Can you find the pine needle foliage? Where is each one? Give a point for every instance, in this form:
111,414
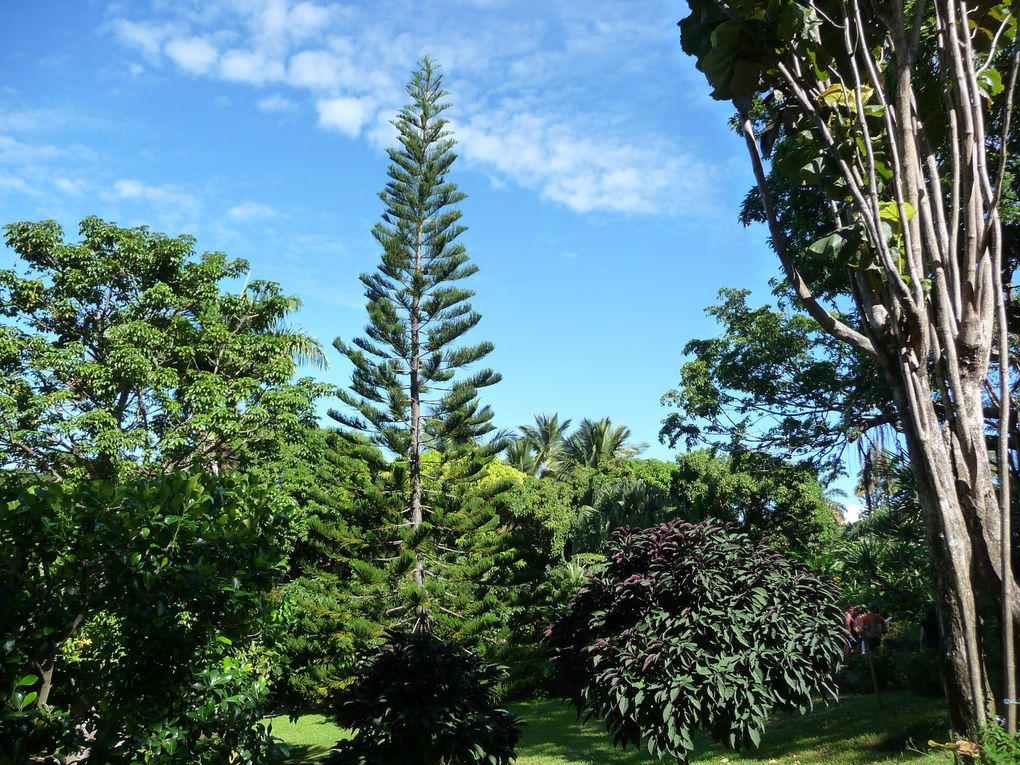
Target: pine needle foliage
411,392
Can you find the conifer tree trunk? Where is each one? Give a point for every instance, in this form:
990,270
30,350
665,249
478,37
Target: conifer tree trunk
414,461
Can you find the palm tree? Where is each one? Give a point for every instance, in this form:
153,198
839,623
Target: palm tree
546,441
621,503
596,442
519,454
266,306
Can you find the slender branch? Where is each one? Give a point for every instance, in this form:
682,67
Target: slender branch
827,321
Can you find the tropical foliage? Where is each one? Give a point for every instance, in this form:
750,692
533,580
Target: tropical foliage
423,701
117,597
183,546
692,626
122,354
889,206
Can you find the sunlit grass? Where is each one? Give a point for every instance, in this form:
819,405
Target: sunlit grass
854,732
310,737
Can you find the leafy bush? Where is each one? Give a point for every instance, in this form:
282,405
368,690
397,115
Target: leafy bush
692,626
423,701
220,721
114,595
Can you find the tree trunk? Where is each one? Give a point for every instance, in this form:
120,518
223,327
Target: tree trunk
954,485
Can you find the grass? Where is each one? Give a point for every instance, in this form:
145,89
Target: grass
310,737
853,732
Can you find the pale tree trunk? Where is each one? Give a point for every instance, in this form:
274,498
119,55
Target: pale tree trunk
416,504
416,510
932,318
953,566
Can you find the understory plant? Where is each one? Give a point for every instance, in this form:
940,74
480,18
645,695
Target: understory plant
424,701
694,626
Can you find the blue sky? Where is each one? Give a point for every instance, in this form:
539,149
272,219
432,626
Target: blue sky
602,180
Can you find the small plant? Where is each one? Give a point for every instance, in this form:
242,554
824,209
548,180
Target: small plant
423,701
998,747
694,626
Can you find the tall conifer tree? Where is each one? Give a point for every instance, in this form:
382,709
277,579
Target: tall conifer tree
409,390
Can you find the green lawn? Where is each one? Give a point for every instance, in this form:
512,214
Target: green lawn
310,737
853,732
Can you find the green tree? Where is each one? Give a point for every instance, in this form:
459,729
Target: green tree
762,495
119,604
545,440
595,443
772,381
405,390
621,503
895,121
884,558
320,625
122,353
520,455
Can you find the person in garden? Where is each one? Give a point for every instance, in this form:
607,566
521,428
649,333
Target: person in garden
850,621
871,626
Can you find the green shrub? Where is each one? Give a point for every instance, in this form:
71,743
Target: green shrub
423,701
998,747
693,626
124,592
220,720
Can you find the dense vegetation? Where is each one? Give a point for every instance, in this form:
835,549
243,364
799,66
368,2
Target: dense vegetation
185,548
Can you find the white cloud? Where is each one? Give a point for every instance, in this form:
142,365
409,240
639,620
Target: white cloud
346,115
69,186
308,19
145,37
252,67
585,173
15,152
192,54
250,211
162,196
551,101
10,182
315,69
276,103
28,120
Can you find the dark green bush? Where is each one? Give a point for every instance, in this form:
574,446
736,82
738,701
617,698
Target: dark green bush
694,626
220,720
423,701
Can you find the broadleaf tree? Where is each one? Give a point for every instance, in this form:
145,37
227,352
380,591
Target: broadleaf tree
410,390
123,353
894,119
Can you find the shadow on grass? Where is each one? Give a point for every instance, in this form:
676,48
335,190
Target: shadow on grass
855,730
553,732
